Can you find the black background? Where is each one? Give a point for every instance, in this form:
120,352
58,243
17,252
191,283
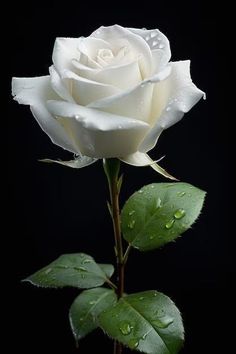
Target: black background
55,210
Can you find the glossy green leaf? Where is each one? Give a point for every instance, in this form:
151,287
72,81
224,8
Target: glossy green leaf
159,213
78,270
86,307
108,269
148,322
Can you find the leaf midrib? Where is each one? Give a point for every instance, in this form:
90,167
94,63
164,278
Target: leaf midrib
141,315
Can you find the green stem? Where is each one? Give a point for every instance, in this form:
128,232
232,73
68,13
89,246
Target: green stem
112,168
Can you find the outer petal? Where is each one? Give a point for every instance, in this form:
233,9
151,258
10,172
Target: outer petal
59,86
113,33
159,45
171,99
85,91
140,159
99,134
64,50
34,92
135,102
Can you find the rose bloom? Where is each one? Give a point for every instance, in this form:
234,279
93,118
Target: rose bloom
110,94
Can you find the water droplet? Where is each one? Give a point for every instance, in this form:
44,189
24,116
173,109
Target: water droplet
161,46
152,186
126,328
151,237
169,224
181,194
155,294
147,38
179,214
87,261
168,108
131,224
76,116
133,343
144,28
47,271
140,191
131,212
81,269
92,302
141,298
154,43
158,203
164,322
145,336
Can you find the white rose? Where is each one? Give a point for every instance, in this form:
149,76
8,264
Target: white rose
110,94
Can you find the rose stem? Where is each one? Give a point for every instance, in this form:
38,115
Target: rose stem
112,168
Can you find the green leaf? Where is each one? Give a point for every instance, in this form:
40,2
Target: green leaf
159,213
148,322
78,270
108,269
86,307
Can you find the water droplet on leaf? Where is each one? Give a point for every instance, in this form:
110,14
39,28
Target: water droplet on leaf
126,328
131,212
163,322
92,302
131,224
161,46
158,203
141,298
133,343
181,194
87,261
47,271
179,214
169,224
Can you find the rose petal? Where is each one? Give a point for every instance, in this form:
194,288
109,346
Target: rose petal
159,45
64,50
139,46
135,102
59,86
140,159
112,75
90,46
171,99
34,92
99,134
86,91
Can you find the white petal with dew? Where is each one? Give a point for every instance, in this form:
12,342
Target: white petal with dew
171,99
